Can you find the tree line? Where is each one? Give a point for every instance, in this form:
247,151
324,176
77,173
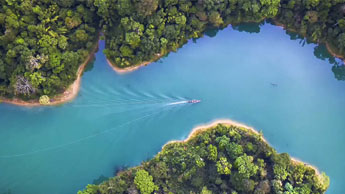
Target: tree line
42,42
221,159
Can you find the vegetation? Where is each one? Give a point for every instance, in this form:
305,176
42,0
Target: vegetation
319,20
221,159
44,100
42,43
138,31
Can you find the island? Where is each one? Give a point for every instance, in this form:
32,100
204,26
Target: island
44,45
223,157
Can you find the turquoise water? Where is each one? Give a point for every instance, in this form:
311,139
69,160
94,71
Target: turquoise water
121,120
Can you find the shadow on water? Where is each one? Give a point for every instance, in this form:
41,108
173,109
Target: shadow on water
90,64
338,68
321,52
243,27
118,169
100,180
249,27
212,32
339,72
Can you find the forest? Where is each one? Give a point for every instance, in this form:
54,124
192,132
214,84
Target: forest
43,42
221,159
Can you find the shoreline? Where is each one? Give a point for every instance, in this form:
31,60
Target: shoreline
204,127
69,94
134,67
328,47
159,55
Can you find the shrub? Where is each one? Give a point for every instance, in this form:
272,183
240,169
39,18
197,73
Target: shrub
44,100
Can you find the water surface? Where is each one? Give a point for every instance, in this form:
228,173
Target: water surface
290,90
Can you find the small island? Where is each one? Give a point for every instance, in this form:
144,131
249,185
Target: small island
224,157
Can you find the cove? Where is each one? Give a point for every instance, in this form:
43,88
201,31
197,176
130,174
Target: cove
263,79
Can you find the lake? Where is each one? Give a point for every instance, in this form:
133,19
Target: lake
258,75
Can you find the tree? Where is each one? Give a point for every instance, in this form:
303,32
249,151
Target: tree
147,7
144,182
133,39
234,150
90,189
23,86
223,166
312,3
341,41
223,142
212,153
205,191
44,100
245,166
126,51
36,79
215,18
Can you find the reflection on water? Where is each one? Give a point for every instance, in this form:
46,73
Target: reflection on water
211,32
320,51
339,71
90,65
100,179
249,27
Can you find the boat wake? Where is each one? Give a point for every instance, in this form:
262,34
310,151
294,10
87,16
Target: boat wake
179,102
185,102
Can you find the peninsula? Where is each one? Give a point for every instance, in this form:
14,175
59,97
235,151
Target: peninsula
223,157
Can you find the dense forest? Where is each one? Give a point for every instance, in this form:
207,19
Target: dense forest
43,42
221,159
149,29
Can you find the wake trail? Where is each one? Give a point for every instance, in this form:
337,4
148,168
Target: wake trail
79,140
179,102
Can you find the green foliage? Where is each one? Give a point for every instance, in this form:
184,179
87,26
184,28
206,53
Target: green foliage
179,168
90,189
144,182
234,150
223,166
213,153
245,166
34,38
205,191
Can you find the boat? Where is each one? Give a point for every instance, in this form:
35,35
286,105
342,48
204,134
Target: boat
194,101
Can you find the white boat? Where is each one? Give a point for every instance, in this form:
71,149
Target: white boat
194,101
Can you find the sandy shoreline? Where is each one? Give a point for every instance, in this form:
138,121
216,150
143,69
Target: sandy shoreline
134,67
200,128
69,94
127,69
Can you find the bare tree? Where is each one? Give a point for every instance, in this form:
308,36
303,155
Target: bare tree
36,62
33,63
132,190
23,86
